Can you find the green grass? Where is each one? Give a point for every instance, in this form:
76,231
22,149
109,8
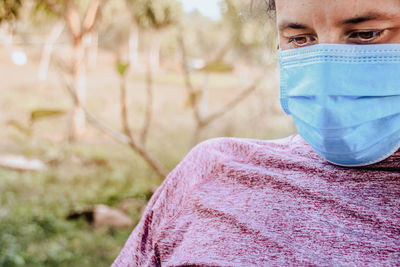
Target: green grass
34,205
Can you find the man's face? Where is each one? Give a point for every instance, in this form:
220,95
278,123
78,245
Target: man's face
307,22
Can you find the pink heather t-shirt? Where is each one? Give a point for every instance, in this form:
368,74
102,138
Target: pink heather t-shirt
243,202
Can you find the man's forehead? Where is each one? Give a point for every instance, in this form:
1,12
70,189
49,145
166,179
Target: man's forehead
335,11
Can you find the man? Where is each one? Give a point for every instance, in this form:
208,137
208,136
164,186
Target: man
327,197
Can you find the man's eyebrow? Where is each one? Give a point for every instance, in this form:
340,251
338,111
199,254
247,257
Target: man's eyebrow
350,21
291,25
362,18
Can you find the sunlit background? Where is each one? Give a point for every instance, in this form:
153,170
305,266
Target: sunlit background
99,102
208,8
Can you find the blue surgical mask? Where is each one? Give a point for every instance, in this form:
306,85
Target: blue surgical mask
344,99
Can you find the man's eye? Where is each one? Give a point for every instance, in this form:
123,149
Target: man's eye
364,37
302,40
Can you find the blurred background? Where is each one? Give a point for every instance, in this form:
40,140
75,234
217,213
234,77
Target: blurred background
100,99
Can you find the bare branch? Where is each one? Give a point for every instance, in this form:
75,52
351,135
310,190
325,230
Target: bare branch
196,135
91,16
73,19
128,140
188,83
139,148
224,50
111,132
154,163
149,105
239,98
106,129
54,34
124,109
201,121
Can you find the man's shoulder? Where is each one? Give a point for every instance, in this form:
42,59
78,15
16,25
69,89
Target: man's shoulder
243,149
241,157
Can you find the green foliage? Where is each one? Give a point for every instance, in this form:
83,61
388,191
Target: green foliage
49,8
9,9
217,66
247,22
45,11
21,127
251,35
193,98
156,14
122,68
203,36
252,30
45,113
35,115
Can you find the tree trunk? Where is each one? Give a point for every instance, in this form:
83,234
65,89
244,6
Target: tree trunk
155,50
149,106
6,35
92,45
203,102
55,32
133,47
79,87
